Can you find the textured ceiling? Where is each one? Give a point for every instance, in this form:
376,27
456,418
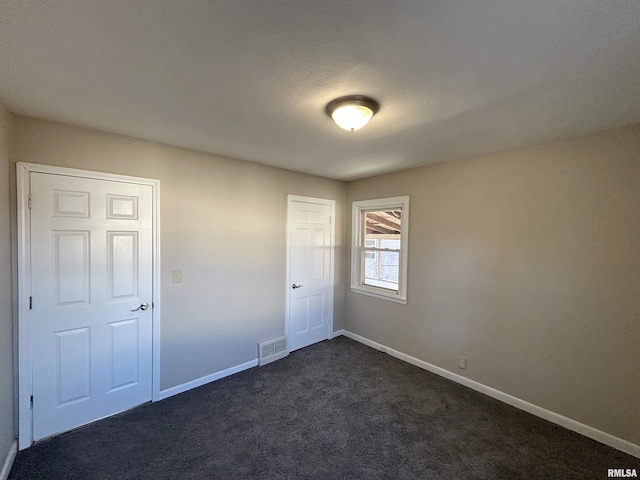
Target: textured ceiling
250,79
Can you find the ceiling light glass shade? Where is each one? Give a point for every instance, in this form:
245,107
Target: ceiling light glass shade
352,117
353,112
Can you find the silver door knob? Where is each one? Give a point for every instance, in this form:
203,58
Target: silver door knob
295,286
144,306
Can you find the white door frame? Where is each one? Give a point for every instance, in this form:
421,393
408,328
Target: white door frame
25,424
332,205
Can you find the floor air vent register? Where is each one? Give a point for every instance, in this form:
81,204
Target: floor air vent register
272,350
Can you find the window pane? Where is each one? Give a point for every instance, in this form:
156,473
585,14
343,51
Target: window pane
382,223
389,262
370,264
381,269
393,243
382,230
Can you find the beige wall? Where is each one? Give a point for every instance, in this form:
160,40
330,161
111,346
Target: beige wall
223,224
528,264
7,435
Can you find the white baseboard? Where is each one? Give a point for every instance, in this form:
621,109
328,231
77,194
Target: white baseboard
8,463
337,333
593,433
169,392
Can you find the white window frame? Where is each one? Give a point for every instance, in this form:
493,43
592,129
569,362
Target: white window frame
357,245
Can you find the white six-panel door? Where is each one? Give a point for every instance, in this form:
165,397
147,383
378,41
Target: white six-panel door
310,263
91,267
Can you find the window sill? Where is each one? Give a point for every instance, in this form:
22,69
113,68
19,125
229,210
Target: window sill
374,292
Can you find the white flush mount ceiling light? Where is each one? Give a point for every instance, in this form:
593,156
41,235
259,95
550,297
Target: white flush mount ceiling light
352,112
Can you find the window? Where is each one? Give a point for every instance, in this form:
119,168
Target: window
379,249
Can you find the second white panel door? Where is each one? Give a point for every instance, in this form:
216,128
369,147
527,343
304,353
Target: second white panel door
310,249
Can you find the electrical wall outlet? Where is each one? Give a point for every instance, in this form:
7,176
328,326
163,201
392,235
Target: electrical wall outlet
176,276
462,363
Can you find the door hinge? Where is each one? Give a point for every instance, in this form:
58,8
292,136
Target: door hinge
330,219
29,202
30,303
31,401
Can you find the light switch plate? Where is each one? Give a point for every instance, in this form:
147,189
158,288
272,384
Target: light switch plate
176,276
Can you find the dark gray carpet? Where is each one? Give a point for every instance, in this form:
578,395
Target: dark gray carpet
335,410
